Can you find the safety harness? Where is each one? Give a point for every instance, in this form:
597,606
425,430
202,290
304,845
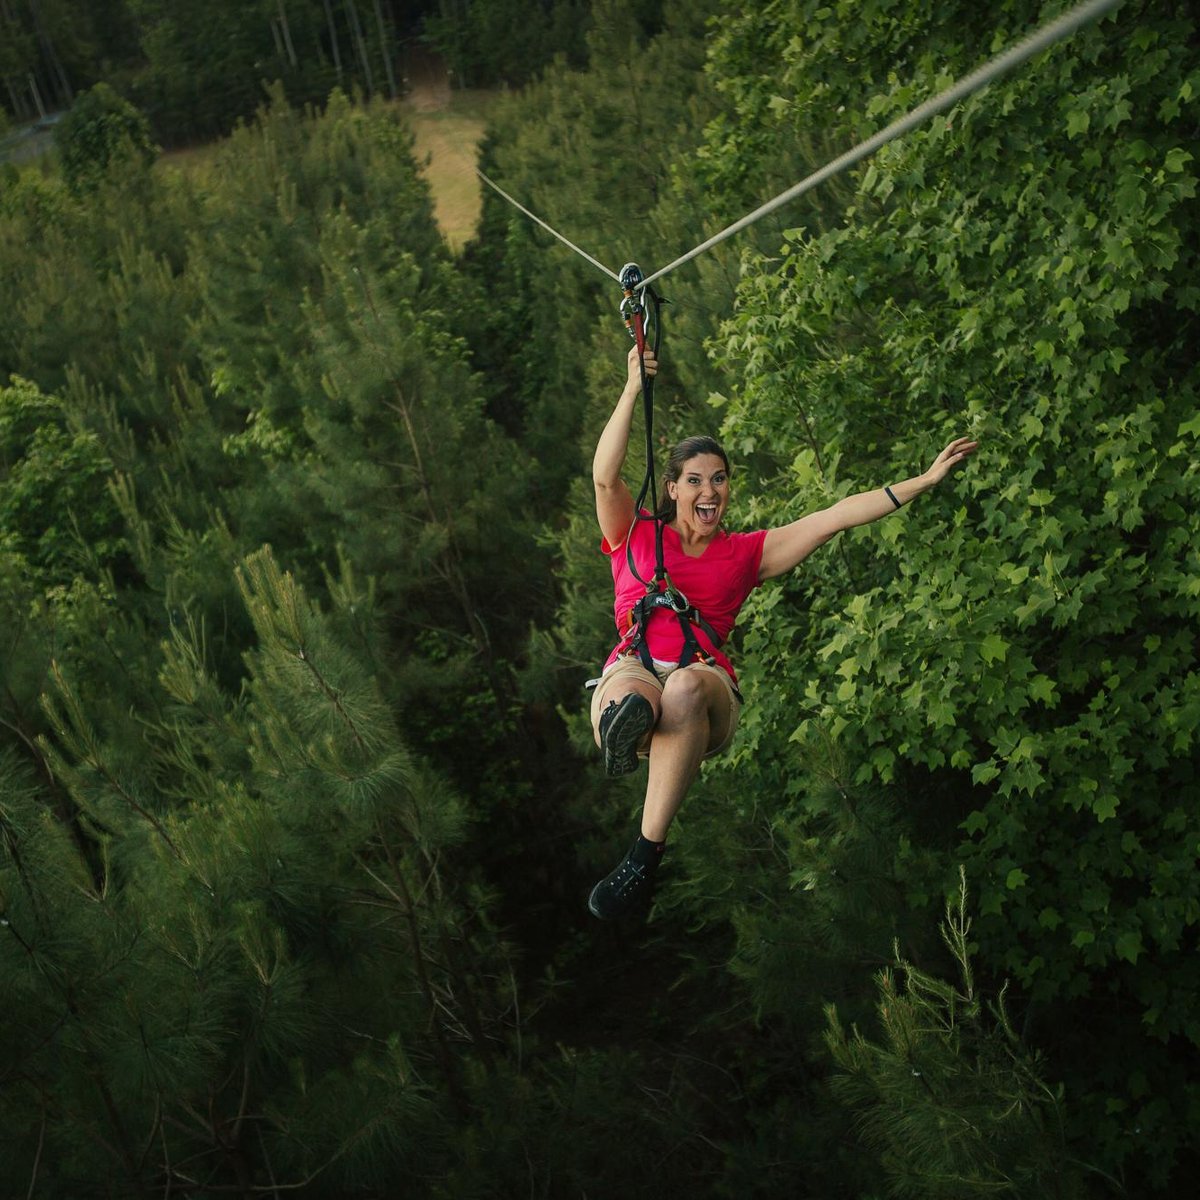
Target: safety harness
660,591
689,617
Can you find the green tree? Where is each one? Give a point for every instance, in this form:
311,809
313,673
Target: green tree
948,1097
55,511
1011,668
207,66
501,42
256,971
260,835
101,133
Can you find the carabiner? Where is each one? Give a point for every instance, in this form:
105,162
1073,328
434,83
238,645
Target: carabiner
676,601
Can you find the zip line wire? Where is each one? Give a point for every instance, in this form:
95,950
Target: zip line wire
1063,27
532,217
1039,40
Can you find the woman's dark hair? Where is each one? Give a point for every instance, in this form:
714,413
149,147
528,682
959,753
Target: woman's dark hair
682,453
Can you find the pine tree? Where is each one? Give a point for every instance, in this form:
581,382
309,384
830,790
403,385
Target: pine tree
257,967
949,1098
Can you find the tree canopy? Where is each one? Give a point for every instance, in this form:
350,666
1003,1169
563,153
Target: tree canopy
299,584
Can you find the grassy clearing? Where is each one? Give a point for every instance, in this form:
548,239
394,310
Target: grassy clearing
446,138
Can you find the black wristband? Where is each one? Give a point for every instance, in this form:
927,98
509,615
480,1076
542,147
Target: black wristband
892,496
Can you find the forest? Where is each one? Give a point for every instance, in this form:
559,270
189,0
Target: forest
300,585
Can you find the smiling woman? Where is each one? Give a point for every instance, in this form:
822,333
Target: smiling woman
667,692
696,478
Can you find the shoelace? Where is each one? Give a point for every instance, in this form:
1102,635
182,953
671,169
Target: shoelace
627,875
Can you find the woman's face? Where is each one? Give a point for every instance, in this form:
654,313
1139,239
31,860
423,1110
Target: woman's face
701,493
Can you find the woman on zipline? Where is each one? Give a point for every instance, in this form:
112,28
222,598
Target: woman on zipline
667,692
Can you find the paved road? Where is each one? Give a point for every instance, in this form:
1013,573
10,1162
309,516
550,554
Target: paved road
27,142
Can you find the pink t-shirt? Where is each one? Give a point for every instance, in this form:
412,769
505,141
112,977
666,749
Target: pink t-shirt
717,583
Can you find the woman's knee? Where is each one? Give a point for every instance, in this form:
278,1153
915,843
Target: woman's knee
688,693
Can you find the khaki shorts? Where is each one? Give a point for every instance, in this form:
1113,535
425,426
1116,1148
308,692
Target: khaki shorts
629,667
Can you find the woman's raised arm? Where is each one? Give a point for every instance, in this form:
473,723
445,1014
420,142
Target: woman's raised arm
789,545
614,501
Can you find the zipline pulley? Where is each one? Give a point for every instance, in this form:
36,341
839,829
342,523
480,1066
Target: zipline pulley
633,311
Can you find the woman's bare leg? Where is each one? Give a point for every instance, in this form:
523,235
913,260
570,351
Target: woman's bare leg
693,720
694,716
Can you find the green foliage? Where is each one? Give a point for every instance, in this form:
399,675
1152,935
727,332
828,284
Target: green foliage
949,1098
238,838
196,70
298,580
1018,659
102,133
55,510
205,66
491,42
254,901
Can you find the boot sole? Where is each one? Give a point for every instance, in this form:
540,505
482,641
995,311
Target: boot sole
631,722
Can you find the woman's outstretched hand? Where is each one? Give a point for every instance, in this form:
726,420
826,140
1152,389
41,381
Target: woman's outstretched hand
635,376
958,450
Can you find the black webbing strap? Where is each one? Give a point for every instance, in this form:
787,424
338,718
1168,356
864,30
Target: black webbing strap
660,591
633,308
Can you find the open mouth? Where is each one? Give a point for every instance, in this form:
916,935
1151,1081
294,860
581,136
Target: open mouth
707,514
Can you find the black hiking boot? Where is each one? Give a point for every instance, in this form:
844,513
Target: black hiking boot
630,886
623,724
